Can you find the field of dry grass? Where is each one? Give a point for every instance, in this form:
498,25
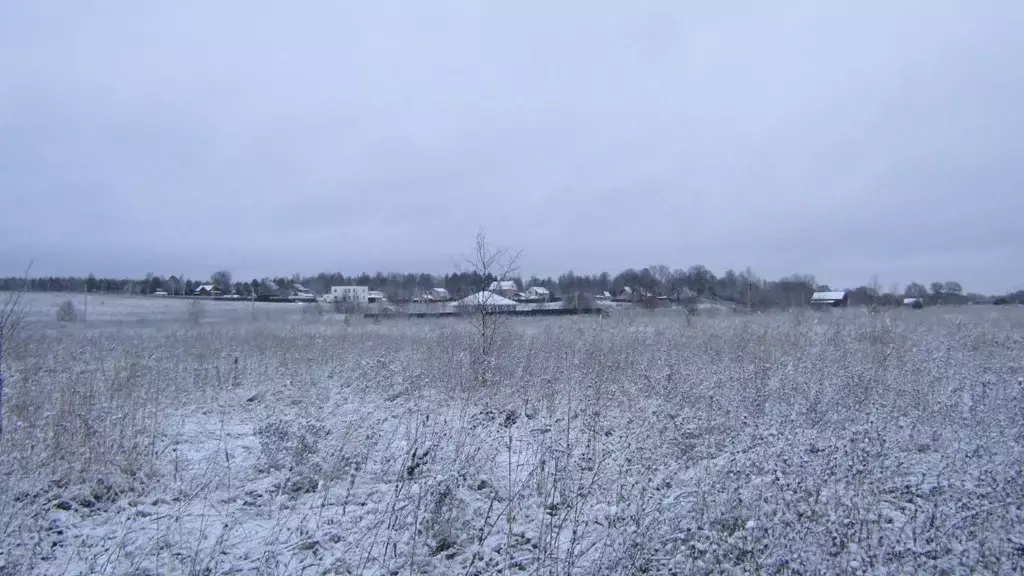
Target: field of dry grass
777,443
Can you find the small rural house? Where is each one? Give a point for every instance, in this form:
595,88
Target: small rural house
437,295
506,288
629,294
915,303
357,294
207,290
537,293
374,296
604,295
301,293
487,301
829,299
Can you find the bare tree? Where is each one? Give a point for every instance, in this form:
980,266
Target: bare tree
12,314
876,288
662,276
579,301
222,280
894,289
915,290
487,262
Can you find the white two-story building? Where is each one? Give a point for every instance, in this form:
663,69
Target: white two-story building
358,294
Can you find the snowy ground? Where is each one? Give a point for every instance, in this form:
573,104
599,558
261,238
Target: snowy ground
122,309
835,442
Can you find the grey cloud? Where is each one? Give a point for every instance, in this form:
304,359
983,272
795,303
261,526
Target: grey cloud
803,137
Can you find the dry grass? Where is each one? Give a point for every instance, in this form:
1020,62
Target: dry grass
639,444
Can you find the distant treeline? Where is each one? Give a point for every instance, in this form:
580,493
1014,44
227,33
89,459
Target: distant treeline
744,288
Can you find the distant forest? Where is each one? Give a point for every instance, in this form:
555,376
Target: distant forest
744,288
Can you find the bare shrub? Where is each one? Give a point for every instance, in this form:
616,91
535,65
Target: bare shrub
67,312
196,312
578,301
312,310
12,315
341,306
691,306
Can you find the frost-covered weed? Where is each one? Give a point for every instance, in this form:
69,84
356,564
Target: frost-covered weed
196,311
67,312
641,443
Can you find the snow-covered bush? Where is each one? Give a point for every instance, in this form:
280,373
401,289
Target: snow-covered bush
66,312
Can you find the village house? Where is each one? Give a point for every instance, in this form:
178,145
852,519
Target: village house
829,300
207,290
915,303
539,293
437,295
506,288
356,294
629,294
486,301
301,293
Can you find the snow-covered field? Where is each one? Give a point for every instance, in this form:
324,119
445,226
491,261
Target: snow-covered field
118,309
146,443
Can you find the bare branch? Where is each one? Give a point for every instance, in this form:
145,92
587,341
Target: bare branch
12,313
11,316
487,260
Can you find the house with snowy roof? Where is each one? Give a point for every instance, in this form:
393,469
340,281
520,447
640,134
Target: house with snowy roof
506,288
486,301
207,290
437,295
630,294
537,293
915,303
829,300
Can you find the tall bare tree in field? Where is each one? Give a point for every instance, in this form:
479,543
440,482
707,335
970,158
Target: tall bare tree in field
487,261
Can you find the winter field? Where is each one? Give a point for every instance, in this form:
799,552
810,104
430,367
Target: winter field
155,440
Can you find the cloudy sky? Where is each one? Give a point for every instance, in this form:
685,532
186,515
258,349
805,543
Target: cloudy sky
842,139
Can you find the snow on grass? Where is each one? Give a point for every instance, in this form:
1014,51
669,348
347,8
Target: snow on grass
801,442
121,309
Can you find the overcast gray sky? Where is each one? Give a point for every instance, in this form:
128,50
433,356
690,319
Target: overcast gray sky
842,139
